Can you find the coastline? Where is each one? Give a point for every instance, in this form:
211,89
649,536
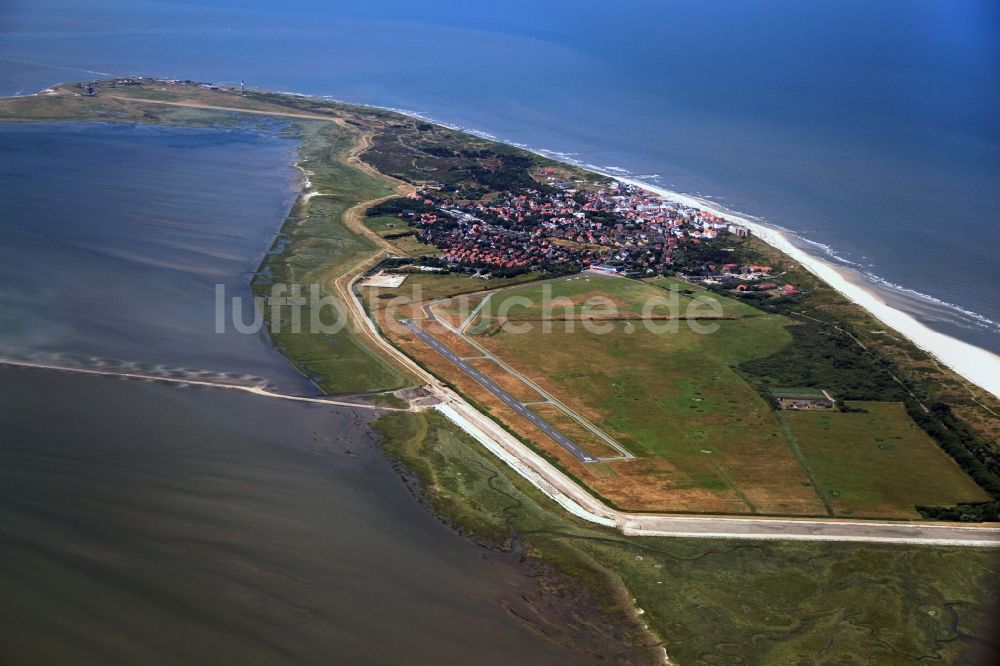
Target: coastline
979,366
975,364
636,558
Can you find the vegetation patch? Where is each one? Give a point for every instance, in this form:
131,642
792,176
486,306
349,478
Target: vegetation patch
402,237
876,462
674,396
719,601
315,248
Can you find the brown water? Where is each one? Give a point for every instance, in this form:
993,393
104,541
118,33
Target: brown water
145,523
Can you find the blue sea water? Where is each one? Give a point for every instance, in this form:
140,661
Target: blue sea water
870,129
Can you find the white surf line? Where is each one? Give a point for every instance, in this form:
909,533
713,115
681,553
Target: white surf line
50,66
979,366
255,390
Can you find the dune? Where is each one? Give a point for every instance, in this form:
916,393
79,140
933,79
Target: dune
977,365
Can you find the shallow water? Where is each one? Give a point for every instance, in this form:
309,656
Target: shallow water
115,237
142,523
145,523
870,128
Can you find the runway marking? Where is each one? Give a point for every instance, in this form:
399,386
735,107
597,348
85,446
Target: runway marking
505,397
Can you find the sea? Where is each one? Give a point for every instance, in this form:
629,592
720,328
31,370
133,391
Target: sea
141,522
147,522
869,130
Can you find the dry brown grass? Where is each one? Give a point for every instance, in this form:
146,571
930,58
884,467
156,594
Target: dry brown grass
570,427
453,341
506,381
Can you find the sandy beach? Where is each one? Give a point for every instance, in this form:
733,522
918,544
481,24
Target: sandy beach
975,364
979,366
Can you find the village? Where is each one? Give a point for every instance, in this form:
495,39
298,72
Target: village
560,228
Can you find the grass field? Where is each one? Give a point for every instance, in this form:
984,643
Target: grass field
574,295
408,244
602,297
708,438
420,287
384,224
719,601
708,441
315,248
878,463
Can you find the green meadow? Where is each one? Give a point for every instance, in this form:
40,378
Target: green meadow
877,462
314,247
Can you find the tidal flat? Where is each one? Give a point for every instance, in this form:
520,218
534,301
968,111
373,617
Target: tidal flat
116,235
141,522
685,588
144,523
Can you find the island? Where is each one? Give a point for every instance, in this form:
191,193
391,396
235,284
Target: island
673,420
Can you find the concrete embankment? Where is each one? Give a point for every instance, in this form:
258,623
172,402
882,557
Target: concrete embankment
577,501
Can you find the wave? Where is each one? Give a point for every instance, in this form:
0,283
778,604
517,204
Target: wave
964,315
828,250
979,320
614,171
69,68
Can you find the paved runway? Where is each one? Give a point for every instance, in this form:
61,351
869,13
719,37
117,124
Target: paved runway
507,398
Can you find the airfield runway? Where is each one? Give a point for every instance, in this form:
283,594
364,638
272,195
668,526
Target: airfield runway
507,398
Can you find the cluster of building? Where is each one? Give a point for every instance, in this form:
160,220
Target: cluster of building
623,226
806,404
126,81
468,240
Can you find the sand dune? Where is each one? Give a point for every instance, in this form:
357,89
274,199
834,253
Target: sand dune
979,366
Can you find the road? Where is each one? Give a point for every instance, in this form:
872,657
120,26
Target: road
575,498
507,398
940,534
